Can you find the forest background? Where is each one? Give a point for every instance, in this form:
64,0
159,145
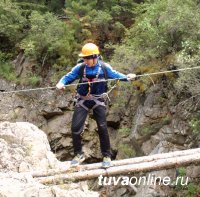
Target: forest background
135,36
138,36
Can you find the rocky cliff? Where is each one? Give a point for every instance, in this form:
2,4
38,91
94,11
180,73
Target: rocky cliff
24,148
156,121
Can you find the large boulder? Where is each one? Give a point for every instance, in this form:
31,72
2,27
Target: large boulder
24,148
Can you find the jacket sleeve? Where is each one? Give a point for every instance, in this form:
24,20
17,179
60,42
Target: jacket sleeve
113,74
71,76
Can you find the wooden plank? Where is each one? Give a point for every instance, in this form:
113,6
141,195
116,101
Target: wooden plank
158,164
116,162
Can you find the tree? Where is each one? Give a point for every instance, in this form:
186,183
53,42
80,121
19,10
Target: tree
161,26
103,22
48,37
28,26
11,25
55,6
164,28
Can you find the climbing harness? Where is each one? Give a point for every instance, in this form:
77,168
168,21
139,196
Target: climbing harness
82,74
85,79
98,99
101,100
106,80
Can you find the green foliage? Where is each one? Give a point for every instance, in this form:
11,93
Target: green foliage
160,28
162,25
31,6
34,80
5,56
181,171
166,120
56,6
28,6
192,189
38,33
59,72
154,126
121,91
11,24
124,131
48,38
127,150
7,71
188,81
6,68
145,131
195,125
100,21
152,30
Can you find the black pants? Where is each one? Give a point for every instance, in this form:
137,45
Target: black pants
78,121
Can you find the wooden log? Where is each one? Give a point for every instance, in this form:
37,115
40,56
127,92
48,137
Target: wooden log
148,158
117,162
124,169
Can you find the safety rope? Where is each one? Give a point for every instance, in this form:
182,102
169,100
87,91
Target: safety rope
89,87
26,90
75,84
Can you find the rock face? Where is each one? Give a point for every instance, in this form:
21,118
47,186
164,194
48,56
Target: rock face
24,148
51,111
160,123
41,108
23,65
6,86
156,121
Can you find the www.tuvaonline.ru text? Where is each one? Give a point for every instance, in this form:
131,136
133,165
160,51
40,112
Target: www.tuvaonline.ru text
143,180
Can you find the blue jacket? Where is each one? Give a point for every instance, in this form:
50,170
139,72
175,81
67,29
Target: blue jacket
96,88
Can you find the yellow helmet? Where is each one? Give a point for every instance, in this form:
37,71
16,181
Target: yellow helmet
89,49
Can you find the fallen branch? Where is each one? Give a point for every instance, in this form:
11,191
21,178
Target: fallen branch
135,160
124,169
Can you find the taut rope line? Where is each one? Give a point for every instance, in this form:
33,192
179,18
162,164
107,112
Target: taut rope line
75,84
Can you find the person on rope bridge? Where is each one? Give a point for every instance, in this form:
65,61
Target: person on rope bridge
92,73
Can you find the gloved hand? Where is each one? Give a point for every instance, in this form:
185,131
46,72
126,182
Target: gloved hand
131,76
60,86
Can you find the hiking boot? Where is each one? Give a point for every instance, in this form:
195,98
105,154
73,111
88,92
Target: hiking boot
106,162
78,159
